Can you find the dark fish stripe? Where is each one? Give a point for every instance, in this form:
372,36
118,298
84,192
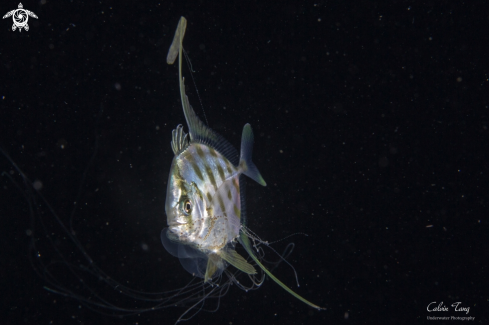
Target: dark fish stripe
209,197
209,173
221,173
236,211
200,152
213,152
197,170
221,203
228,166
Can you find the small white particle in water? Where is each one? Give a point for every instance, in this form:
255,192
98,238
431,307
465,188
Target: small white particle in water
37,185
459,79
145,247
117,86
281,151
28,232
157,127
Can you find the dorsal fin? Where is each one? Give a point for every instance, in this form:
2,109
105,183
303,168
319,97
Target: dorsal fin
199,132
179,140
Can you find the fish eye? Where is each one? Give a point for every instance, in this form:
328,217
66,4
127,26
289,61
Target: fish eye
187,206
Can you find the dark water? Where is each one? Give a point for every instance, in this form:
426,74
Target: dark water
370,129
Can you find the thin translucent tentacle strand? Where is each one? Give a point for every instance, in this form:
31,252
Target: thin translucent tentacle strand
246,244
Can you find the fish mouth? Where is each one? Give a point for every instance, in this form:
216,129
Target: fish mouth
176,224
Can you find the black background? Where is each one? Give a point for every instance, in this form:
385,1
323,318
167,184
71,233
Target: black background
370,126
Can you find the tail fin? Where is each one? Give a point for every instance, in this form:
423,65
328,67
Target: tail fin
244,240
245,164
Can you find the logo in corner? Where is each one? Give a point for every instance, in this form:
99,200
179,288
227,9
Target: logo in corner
20,17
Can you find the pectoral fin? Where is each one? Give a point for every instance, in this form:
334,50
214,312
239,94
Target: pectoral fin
238,261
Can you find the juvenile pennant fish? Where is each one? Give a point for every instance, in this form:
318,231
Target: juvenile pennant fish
205,203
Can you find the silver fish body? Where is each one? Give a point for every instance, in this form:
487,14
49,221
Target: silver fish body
203,202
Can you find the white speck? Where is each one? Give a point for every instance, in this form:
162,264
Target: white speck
37,185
